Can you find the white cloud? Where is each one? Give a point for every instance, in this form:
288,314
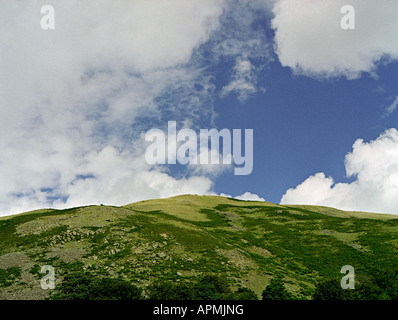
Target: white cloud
248,196
216,165
238,38
133,180
239,42
374,164
70,98
392,107
309,38
243,82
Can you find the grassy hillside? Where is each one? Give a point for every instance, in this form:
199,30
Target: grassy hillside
182,238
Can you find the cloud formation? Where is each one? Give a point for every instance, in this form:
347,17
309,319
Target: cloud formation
71,98
391,108
374,165
309,39
75,101
243,82
248,196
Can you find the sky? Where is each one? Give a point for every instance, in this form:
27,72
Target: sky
76,101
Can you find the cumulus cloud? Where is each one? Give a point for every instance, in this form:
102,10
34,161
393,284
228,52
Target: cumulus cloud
216,165
374,165
248,196
309,39
71,98
75,101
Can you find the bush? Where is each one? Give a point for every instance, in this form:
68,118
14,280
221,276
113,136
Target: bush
382,285
331,290
82,286
211,287
276,291
387,282
241,294
171,291
208,287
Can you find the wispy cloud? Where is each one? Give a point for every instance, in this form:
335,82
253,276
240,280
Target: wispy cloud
393,106
244,81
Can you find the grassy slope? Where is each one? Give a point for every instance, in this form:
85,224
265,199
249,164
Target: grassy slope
183,237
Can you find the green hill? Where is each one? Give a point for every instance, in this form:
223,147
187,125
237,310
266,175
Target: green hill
182,238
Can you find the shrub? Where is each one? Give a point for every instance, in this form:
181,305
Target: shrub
211,287
382,285
331,290
276,291
241,294
208,287
82,286
171,291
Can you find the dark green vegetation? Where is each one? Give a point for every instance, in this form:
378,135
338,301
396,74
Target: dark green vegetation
276,291
208,287
169,247
83,286
382,285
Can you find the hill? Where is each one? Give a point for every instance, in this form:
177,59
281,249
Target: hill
182,238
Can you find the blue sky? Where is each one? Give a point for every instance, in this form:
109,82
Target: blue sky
303,126
77,100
